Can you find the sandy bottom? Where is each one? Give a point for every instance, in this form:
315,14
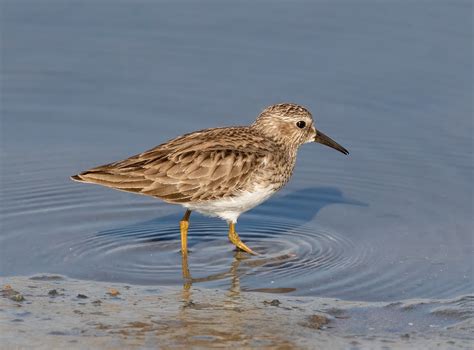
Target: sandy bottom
49,311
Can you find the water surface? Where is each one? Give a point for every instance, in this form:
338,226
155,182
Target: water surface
86,83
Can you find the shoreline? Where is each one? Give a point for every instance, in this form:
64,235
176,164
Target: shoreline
53,311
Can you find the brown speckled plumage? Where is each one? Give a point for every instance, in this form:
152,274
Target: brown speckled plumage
200,166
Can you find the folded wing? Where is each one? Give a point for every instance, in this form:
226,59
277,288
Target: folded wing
195,167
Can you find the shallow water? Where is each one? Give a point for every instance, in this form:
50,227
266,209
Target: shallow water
89,83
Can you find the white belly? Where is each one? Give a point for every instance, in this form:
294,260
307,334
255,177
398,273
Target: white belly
229,209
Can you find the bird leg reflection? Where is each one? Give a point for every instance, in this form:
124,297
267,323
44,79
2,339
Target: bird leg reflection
222,310
188,280
240,258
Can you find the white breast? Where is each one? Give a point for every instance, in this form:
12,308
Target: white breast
229,209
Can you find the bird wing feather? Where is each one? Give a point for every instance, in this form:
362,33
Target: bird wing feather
201,166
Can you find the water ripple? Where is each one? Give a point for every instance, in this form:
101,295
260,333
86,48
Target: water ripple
98,234
148,252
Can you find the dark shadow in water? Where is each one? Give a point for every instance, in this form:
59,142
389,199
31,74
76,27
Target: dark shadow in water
299,206
304,204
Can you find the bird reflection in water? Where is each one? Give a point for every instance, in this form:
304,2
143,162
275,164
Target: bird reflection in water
240,265
227,318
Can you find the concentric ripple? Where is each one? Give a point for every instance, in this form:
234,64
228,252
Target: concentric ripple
148,253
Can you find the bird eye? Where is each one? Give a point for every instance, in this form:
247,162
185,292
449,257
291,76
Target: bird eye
300,124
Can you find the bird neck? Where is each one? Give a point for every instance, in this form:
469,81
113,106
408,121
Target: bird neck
287,145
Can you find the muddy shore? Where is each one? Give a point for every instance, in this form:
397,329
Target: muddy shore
52,311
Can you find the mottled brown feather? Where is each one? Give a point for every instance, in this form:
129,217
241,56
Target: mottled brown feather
200,166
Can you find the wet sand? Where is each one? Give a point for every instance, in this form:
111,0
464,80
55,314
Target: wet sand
52,311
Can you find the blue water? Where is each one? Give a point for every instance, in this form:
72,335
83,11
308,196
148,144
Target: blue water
87,83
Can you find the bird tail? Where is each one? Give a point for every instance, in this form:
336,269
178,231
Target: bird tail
118,181
77,178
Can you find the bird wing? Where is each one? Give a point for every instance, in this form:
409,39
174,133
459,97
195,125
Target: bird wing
201,166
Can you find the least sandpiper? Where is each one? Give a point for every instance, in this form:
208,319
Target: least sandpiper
219,172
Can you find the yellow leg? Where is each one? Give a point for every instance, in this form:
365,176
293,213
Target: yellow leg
235,239
183,226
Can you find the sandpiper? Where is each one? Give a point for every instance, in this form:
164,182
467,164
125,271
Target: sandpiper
219,172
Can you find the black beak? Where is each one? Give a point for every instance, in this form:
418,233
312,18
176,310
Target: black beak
326,140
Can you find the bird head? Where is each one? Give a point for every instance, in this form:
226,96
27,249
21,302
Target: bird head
293,125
